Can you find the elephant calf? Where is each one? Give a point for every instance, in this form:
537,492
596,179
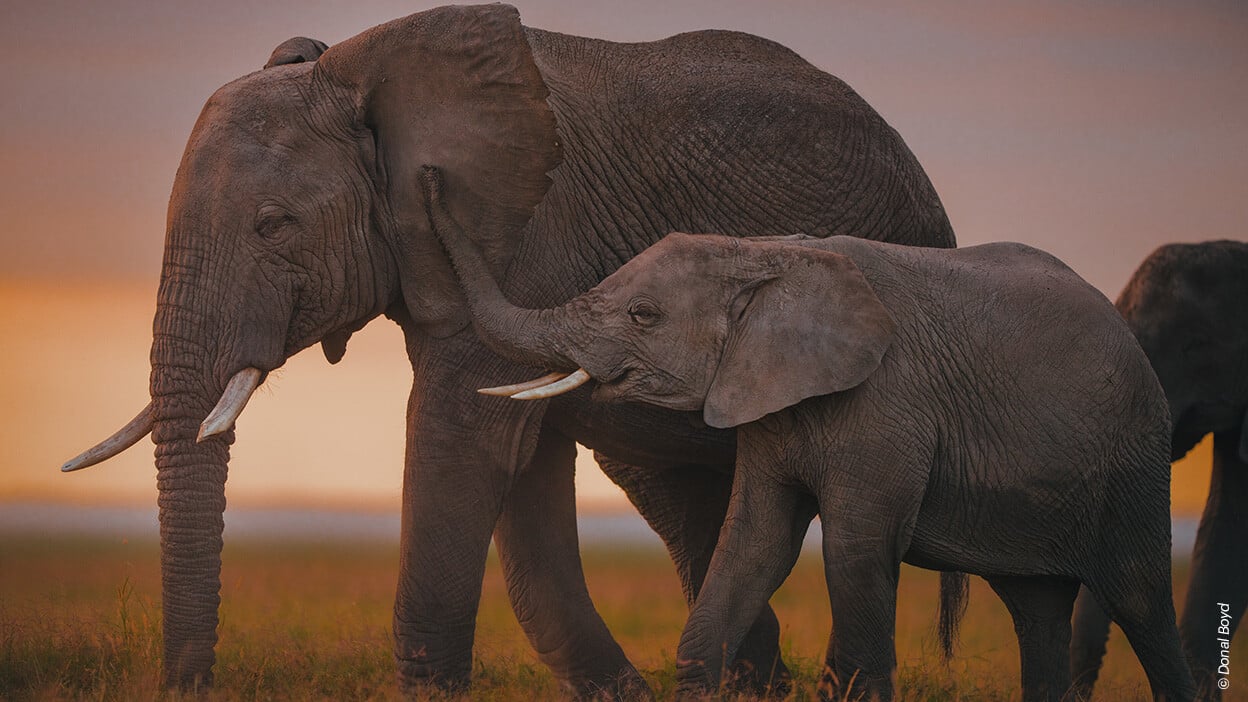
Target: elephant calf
982,410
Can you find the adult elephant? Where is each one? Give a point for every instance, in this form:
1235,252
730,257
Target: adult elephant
296,217
1186,305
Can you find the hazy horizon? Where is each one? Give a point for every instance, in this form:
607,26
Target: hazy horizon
1094,132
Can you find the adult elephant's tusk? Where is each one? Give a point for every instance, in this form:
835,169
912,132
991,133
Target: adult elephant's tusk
576,380
125,437
231,404
509,390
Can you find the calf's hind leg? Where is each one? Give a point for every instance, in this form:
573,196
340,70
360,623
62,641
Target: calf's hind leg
1041,607
861,571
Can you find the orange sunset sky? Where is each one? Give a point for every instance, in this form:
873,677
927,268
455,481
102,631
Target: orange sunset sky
1096,131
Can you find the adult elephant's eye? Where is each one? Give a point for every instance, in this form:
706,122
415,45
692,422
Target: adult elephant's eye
273,222
644,313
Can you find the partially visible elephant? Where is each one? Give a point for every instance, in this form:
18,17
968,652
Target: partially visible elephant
1188,306
296,218
981,410
296,50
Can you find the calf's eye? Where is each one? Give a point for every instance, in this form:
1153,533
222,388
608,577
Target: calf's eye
644,313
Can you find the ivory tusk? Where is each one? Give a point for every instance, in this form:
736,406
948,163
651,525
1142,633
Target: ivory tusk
509,390
231,404
558,387
125,437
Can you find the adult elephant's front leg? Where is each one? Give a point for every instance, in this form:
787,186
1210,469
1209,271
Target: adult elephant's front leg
462,451
686,505
537,545
1219,568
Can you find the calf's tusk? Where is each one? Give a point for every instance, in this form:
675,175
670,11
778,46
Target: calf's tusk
558,387
509,390
231,404
125,437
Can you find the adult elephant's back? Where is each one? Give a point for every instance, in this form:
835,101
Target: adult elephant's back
716,131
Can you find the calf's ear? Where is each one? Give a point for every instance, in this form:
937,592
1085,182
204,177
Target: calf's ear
809,324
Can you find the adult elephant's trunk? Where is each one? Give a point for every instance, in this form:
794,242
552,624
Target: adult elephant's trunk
191,480
536,337
191,418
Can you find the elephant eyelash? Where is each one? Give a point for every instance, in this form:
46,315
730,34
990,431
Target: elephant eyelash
645,313
272,227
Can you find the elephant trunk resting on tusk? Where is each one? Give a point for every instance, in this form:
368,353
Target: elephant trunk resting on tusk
222,417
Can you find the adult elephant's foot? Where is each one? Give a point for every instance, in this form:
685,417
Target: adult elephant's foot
418,681
759,669
694,680
426,668
755,680
626,686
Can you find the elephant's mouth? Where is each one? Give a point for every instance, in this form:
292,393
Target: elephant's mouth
618,387
649,385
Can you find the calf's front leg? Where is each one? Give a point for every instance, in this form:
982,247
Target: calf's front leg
685,505
758,545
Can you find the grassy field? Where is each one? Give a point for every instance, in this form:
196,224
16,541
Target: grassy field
79,619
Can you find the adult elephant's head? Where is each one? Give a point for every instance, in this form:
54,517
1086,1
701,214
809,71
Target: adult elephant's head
1185,306
295,218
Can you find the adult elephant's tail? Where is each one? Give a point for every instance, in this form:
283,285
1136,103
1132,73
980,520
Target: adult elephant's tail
954,588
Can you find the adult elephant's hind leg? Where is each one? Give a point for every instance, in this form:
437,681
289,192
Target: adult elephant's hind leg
1041,608
537,545
686,506
1088,639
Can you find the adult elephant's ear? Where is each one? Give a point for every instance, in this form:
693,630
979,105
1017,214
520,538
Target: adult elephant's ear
807,324
455,87
296,50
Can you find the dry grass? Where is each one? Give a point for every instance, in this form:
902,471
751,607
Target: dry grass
79,619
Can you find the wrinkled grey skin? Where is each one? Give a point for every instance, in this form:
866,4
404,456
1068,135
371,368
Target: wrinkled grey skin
1186,304
296,218
982,410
